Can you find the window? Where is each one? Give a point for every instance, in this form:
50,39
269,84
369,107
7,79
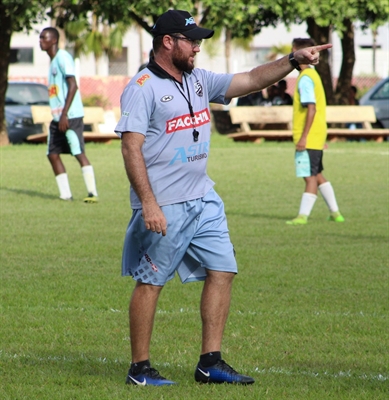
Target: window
369,46
23,93
382,93
22,55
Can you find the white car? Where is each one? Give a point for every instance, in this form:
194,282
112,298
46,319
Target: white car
378,97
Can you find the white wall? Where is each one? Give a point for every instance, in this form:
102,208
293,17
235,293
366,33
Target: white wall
41,59
267,38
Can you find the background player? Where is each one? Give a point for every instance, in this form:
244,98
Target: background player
66,129
309,136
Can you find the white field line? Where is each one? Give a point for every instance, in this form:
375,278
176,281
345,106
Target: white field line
315,313
262,371
336,375
354,151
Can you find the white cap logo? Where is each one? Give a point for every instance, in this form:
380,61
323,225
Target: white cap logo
189,21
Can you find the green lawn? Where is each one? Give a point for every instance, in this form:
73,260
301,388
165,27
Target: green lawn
310,310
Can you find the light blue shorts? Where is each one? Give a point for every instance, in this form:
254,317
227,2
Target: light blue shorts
197,239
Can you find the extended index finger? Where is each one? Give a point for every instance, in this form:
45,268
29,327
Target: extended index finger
322,47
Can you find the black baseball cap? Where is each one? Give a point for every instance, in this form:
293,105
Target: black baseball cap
178,21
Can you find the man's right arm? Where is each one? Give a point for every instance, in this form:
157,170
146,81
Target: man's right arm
135,166
267,74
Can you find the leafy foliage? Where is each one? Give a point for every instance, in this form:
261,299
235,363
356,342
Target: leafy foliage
24,14
244,18
241,18
330,13
96,100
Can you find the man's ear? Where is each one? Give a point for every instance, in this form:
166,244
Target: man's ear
168,41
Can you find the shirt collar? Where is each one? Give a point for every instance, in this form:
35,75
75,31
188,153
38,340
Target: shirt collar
159,71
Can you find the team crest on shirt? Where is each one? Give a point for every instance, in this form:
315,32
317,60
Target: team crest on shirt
198,88
53,91
141,80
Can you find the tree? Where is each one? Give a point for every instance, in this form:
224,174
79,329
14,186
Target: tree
96,36
15,15
92,27
334,15
19,15
240,20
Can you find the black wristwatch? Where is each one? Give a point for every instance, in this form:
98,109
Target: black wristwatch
293,62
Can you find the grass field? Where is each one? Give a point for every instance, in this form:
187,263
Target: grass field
310,310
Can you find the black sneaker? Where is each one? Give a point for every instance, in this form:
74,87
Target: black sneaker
220,372
147,377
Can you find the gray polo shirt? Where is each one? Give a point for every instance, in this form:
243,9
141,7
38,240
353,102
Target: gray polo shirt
156,106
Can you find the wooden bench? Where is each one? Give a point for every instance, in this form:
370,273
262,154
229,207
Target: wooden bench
93,116
275,122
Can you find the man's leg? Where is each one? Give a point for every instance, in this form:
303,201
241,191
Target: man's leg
143,305
56,164
328,194
89,178
215,304
82,160
308,200
60,176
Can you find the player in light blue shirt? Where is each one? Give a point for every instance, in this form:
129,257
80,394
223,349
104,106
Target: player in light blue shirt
66,129
62,68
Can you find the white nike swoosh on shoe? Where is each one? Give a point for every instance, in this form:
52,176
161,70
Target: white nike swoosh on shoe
203,372
138,382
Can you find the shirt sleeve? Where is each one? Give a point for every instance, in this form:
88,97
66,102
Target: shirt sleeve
306,88
66,64
217,85
135,111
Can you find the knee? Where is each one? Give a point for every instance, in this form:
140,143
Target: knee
147,290
221,278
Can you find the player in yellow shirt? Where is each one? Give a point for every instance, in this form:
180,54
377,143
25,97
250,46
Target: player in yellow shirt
309,136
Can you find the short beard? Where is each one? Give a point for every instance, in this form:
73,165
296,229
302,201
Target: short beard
180,62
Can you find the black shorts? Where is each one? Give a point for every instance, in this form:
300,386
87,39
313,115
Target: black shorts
71,142
316,161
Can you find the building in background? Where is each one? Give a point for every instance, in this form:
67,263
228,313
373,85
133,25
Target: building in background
27,59
28,62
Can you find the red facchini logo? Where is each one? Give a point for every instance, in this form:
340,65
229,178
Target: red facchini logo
185,121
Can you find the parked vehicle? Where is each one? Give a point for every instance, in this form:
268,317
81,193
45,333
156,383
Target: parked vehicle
19,98
378,97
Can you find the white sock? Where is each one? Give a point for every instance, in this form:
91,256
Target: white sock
89,179
328,194
63,186
307,203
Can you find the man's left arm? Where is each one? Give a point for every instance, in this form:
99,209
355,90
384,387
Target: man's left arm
72,89
265,75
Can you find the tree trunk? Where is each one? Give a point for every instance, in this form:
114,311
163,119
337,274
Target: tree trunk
348,60
321,35
374,32
227,49
5,44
